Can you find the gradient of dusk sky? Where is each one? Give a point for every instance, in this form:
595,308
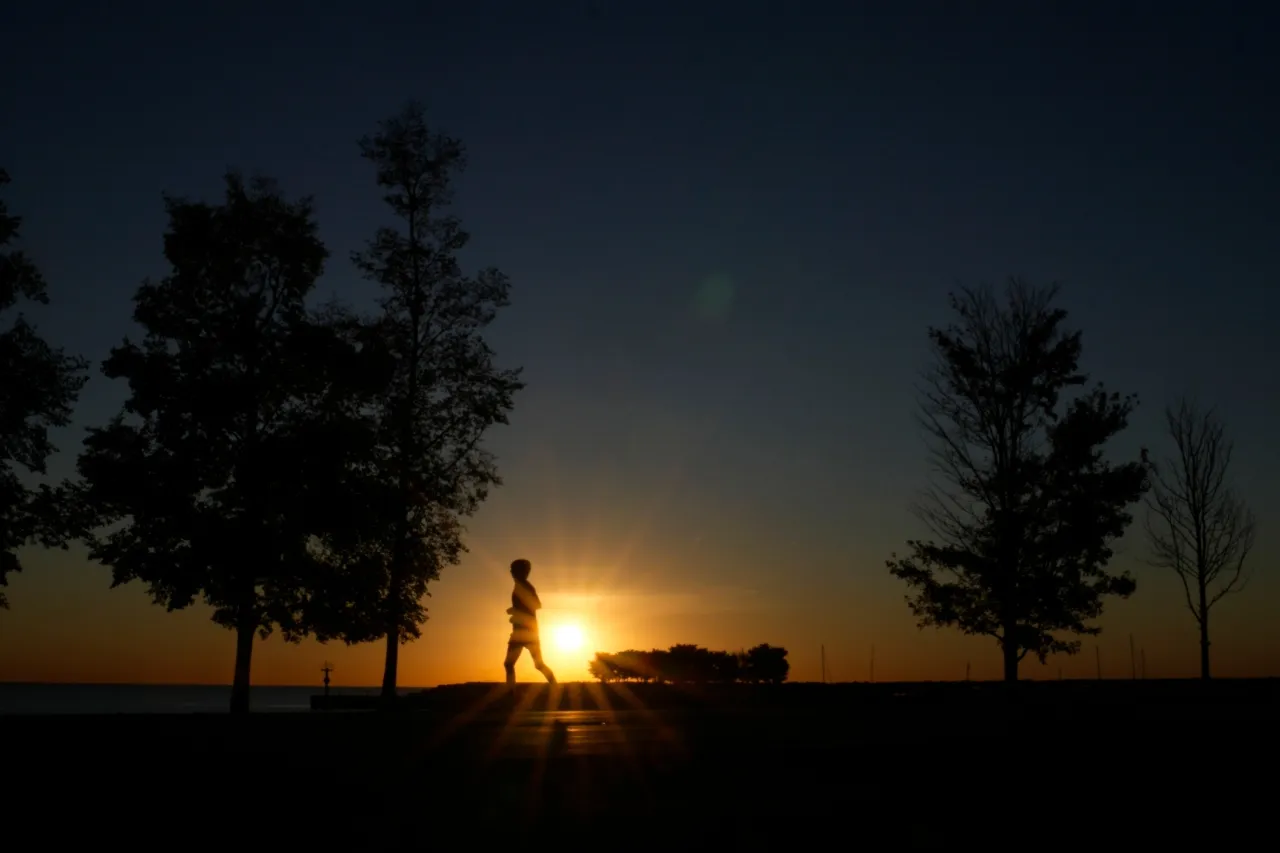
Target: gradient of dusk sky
728,226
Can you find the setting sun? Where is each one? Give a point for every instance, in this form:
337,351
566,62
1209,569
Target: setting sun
568,638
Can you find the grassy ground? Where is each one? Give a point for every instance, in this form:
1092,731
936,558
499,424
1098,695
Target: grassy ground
1060,767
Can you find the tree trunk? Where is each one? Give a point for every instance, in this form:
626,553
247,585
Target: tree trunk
1204,634
1010,659
244,656
392,664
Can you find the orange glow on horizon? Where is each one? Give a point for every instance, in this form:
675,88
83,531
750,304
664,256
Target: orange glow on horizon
610,577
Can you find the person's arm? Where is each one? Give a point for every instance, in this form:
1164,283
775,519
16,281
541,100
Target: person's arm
527,597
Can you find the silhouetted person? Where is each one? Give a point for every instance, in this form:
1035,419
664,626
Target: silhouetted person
524,623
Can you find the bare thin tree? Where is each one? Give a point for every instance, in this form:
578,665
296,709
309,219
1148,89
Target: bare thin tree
1196,524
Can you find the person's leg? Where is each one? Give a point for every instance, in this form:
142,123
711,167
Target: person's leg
513,655
535,651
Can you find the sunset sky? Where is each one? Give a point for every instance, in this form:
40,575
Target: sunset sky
728,227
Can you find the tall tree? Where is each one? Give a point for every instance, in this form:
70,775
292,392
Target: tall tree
1196,524
446,392
1024,506
209,483
39,384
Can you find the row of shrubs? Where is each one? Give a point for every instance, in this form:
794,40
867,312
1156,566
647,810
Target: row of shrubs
690,664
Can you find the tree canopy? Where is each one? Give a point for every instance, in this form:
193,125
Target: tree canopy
686,663
39,385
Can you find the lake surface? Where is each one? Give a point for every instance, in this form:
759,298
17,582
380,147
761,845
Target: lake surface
17,698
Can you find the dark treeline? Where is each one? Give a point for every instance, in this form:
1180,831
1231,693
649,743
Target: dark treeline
307,468
690,664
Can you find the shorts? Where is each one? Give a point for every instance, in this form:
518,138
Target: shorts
523,637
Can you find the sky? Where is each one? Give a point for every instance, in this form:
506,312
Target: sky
728,228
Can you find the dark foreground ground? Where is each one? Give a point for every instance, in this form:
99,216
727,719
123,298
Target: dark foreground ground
1066,766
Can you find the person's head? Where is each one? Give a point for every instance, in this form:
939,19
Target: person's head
520,570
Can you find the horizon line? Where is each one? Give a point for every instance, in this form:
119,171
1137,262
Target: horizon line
320,687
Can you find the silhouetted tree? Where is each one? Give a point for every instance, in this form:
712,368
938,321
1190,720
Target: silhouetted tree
38,388
633,665
601,668
686,663
446,391
630,665
1027,507
766,663
1196,525
691,664
725,667
655,665
348,499
225,461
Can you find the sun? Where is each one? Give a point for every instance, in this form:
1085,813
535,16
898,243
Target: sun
568,638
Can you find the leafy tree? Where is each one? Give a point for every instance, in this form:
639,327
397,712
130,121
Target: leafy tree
227,458
631,665
446,391
725,667
1197,526
601,668
687,663
766,663
38,388
1025,506
347,508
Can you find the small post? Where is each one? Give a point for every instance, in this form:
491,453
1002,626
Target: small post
326,669
1097,654
1133,660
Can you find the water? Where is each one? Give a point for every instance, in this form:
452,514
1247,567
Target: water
18,698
